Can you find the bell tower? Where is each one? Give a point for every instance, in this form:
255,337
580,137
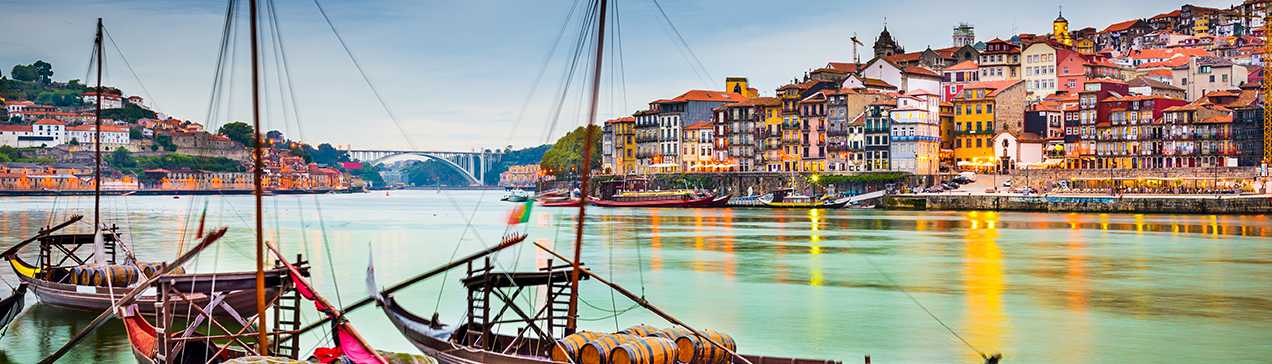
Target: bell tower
1060,29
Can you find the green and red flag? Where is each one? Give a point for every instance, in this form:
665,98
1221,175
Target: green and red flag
521,213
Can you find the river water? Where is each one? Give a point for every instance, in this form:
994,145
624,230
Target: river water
840,284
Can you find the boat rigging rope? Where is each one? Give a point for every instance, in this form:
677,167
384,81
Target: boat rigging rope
701,70
925,309
153,102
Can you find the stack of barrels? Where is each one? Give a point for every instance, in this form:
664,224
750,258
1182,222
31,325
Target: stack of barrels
115,275
644,344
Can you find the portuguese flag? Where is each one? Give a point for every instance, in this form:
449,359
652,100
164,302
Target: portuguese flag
521,213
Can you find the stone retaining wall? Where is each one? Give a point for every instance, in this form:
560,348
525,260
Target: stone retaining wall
1140,204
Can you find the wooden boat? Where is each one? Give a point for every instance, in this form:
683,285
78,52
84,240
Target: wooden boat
788,199
632,192
559,202
56,280
516,195
11,306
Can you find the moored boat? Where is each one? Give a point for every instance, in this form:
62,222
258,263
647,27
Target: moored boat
787,198
634,192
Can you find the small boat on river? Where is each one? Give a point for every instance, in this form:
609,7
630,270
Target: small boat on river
516,195
788,198
633,193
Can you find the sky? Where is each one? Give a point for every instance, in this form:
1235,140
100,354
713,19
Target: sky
461,75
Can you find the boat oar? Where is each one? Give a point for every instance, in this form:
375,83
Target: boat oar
132,295
14,249
507,242
641,301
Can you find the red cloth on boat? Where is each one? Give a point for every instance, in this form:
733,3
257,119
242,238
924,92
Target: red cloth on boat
353,348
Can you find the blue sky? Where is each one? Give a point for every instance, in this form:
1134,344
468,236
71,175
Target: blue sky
457,73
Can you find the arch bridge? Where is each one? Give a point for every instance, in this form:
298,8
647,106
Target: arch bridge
472,165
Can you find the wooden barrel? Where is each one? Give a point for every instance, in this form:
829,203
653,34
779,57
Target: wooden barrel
643,331
645,350
149,269
567,349
75,274
597,350
692,349
116,275
674,332
85,275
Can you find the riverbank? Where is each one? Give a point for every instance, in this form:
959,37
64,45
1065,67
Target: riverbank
1174,204
169,192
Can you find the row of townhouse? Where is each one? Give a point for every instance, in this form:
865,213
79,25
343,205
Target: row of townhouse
1068,99
51,132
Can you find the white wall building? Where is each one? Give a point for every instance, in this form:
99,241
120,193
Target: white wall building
915,134
112,135
908,79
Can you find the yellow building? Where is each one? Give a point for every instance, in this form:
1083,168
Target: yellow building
739,85
771,138
1060,30
623,158
981,111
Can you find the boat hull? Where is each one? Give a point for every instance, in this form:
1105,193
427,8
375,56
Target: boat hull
98,299
560,203
707,201
804,205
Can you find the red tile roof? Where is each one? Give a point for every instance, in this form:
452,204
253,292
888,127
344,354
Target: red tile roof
845,66
625,119
701,124
921,71
709,95
49,122
963,66
996,86
1117,27
6,127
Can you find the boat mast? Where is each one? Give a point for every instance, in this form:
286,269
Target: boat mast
571,316
262,339
97,136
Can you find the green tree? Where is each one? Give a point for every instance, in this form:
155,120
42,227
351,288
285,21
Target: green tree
369,173
121,159
432,173
165,142
238,131
23,72
130,113
565,157
135,133
328,155
43,71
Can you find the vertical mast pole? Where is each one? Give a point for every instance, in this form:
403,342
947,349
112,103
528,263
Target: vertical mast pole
586,169
258,170
97,135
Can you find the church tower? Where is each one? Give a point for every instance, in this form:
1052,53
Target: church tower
1060,30
964,35
885,46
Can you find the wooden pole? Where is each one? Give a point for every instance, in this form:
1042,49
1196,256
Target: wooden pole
586,172
644,303
258,171
14,249
318,298
407,283
97,136
132,295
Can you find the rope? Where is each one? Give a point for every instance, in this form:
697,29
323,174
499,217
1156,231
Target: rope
925,309
120,51
685,45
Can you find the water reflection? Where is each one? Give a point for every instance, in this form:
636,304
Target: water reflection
1114,287
986,321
